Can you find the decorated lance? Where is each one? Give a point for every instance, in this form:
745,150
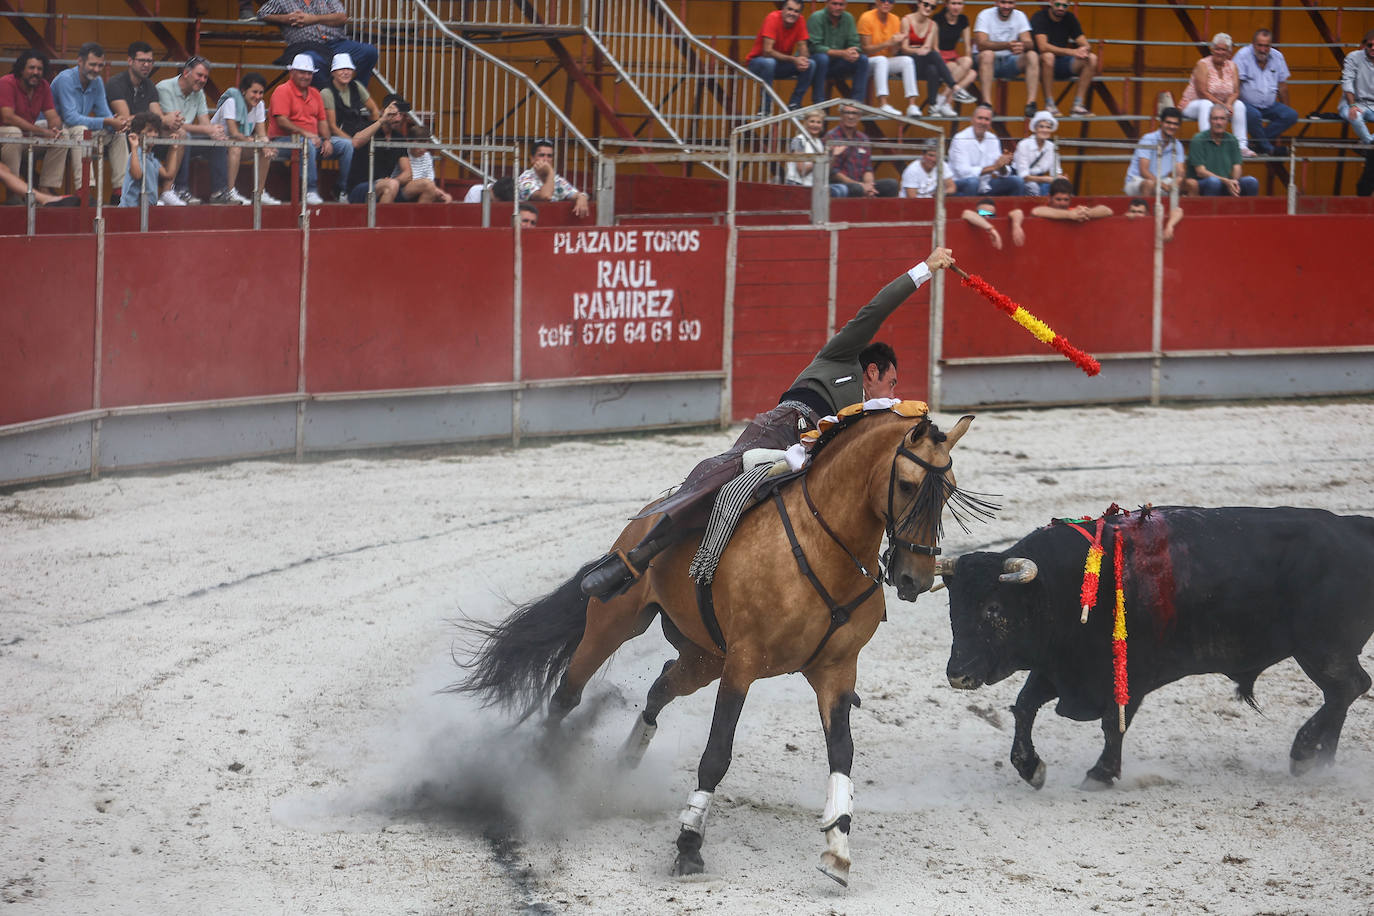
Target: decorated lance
1041,331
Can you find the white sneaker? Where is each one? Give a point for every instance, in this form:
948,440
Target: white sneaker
313,199
234,197
1247,152
170,198
913,111
963,96
888,109
268,200
947,110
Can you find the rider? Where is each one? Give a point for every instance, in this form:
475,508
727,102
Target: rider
848,369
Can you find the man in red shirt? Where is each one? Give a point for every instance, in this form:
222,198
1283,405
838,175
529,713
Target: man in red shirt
25,99
297,109
780,52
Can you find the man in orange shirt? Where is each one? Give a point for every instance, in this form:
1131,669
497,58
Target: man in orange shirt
780,52
298,109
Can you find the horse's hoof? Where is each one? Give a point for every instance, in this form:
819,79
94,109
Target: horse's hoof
1037,779
688,863
832,866
1300,767
1091,783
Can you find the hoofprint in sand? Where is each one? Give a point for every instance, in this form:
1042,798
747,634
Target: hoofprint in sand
219,693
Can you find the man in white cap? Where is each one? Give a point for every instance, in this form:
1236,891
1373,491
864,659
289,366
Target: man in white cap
298,110
182,98
347,108
315,26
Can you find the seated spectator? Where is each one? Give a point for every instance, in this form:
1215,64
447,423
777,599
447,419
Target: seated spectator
243,115
1139,208
851,168
422,187
801,174
1357,88
25,101
146,174
780,52
501,189
1214,159
920,178
18,187
976,161
982,218
880,37
833,35
1064,54
920,40
1264,91
298,110
316,28
954,31
529,214
183,95
1061,205
1002,34
131,93
541,183
347,108
1215,82
372,170
1036,160
80,95
1158,157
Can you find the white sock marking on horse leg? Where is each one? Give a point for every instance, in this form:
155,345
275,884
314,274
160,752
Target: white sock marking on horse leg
693,817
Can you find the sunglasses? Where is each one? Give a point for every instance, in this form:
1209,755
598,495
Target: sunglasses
195,59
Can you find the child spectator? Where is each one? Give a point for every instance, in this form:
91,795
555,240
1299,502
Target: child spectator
421,188
147,174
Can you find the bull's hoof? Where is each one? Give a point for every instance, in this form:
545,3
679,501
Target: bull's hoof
834,867
1301,767
688,863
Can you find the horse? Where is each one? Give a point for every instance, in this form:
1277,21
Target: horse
873,472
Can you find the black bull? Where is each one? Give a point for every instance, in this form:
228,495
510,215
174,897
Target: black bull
1229,590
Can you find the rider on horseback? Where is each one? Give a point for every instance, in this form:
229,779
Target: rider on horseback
848,369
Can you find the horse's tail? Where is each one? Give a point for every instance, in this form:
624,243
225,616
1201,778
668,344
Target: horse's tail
521,660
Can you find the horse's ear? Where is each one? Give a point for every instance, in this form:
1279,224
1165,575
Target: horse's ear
959,429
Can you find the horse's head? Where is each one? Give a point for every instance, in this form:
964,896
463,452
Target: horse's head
919,484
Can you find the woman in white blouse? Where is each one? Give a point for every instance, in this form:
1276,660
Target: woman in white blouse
1036,160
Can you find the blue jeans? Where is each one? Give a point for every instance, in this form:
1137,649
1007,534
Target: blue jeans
364,61
1001,186
886,187
770,68
857,71
343,151
217,156
1362,125
1280,118
1212,187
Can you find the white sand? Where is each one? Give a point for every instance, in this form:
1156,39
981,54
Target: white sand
218,696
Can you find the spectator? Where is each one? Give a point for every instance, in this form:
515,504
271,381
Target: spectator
982,218
17,186
919,179
26,99
1036,160
384,161
833,35
347,108
243,116
1159,157
131,93
954,30
502,188
1357,88
529,214
183,95
780,52
315,28
1216,82
1002,34
880,36
298,110
81,103
422,187
1061,205
1214,159
541,183
1264,91
1139,208
1064,54
976,161
801,174
146,174
851,169
920,41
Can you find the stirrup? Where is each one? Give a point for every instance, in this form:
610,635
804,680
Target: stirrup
611,576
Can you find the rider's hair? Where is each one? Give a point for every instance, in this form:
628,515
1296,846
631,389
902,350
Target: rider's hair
878,354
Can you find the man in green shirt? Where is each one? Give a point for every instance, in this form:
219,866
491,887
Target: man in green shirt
835,37
1214,160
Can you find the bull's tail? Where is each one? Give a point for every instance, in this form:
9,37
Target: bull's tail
520,661
1245,688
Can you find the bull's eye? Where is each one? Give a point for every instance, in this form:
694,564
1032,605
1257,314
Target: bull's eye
993,611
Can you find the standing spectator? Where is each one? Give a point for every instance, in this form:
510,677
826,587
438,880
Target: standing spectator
373,169
1158,157
184,95
1215,82
1064,54
1357,88
976,161
781,52
298,110
834,36
131,93
529,214
920,41
802,174
880,36
954,30
1061,205
146,174
851,171
243,116
25,99
541,183
316,28
1002,34
921,177
423,187
1214,158
80,96
1036,160
1264,91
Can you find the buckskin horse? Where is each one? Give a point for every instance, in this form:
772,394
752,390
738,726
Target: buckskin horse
872,472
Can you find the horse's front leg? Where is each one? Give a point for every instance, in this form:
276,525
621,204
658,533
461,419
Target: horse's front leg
835,696
1036,692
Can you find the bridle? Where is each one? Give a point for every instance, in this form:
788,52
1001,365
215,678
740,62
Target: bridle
893,541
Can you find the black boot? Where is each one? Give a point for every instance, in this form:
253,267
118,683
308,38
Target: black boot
617,571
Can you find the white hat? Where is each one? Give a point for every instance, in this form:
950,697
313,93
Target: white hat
342,62
303,62
1043,115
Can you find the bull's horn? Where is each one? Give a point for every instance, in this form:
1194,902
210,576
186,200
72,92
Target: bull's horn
944,566
1018,569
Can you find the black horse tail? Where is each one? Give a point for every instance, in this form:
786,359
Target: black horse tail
521,660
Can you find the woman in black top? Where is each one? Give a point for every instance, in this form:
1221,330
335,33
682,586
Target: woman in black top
953,26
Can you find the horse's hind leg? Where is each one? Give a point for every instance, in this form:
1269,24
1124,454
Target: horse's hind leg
1341,680
688,673
609,625
834,686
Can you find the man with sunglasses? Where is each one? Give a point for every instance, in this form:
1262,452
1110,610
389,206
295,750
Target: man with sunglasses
1357,88
1064,54
183,98
1006,50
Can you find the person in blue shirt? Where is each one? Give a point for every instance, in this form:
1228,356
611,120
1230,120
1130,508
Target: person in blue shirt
146,173
80,96
1264,90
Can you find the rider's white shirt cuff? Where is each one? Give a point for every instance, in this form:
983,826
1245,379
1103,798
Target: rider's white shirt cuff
919,274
